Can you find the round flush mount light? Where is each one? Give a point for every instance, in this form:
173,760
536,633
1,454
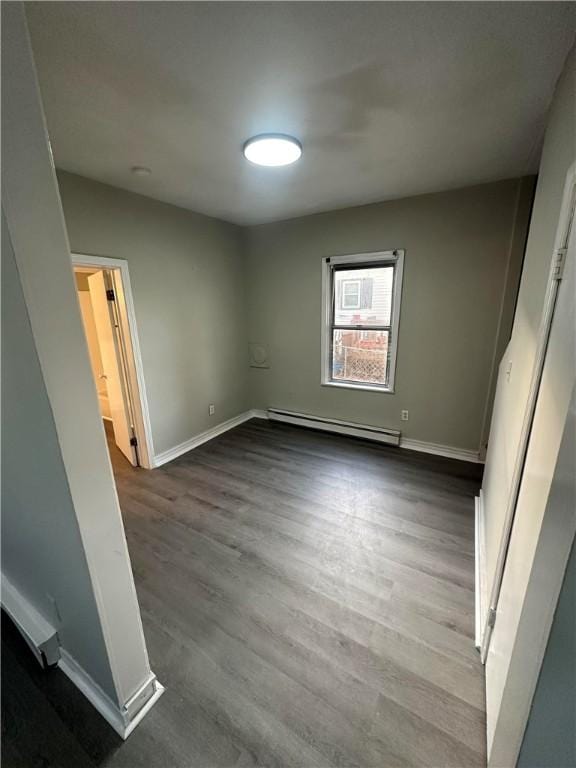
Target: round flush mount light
140,170
272,149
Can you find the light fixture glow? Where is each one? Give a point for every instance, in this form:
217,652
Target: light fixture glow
272,149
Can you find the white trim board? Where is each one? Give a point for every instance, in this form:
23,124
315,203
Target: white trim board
480,596
437,449
203,437
122,720
368,432
386,436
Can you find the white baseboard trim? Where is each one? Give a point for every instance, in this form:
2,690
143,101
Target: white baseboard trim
440,450
122,719
480,596
41,635
307,420
203,437
350,428
157,689
379,434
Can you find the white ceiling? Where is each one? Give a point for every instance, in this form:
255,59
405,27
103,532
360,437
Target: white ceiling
388,99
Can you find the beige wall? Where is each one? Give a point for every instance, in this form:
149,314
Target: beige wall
187,281
458,247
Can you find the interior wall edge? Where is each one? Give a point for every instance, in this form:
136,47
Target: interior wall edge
39,238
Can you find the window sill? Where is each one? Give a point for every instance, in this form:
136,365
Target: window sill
361,387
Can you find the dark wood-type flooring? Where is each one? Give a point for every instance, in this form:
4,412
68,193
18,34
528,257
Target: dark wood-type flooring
307,601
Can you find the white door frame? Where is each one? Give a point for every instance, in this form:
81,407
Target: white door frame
534,568
142,425
554,276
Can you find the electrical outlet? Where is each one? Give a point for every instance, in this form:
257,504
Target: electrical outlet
404,415
211,409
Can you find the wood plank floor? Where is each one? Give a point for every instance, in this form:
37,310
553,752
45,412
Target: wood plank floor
307,601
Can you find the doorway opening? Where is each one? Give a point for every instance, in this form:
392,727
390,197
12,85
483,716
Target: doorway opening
104,294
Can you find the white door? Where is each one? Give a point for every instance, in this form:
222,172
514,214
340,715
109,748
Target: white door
542,534
512,422
111,353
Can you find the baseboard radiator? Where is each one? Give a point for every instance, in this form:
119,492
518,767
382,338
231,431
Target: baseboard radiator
350,428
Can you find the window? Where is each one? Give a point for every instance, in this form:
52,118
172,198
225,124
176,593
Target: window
360,319
351,294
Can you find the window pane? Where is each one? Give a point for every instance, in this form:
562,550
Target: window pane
351,294
360,356
363,296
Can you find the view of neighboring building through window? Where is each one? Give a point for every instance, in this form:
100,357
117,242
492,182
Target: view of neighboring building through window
361,326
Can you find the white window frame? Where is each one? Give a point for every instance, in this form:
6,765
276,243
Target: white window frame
358,299
393,258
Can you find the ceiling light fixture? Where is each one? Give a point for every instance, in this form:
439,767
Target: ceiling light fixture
140,170
272,149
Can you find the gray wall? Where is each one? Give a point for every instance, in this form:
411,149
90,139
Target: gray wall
526,190
42,553
187,280
199,284
458,246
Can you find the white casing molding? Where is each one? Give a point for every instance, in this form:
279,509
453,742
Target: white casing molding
40,634
480,596
392,257
142,424
124,719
